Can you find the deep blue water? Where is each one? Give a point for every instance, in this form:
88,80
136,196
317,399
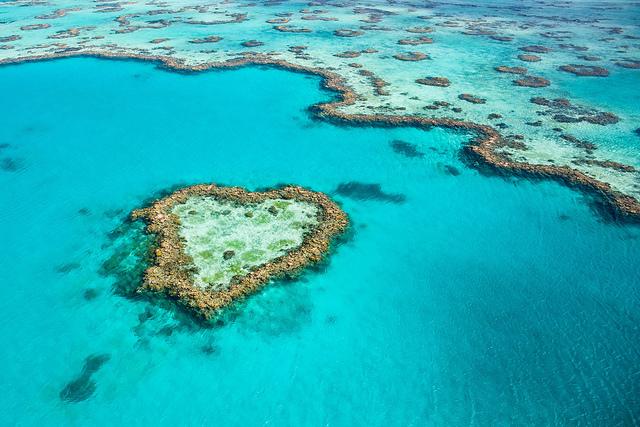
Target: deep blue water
476,300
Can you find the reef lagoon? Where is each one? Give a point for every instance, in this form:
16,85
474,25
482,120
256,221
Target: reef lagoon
471,284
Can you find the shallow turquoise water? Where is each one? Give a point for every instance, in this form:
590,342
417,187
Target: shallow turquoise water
476,300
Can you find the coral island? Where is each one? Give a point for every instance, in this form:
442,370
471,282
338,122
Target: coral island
217,244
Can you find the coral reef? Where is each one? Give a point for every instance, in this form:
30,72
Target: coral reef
411,56
347,33
406,149
83,386
471,98
532,81
362,191
511,70
416,41
434,81
252,43
481,152
585,70
290,29
208,39
535,49
32,27
172,272
632,64
529,58
605,164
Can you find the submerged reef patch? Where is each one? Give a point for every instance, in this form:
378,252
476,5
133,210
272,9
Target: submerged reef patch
585,70
32,27
216,244
471,98
291,29
529,58
532,81
362,191
511,70
633,64
416,41
535,49
406,149
252,43
434,81
563,111
208,39
83,386
347,33
9,164
411,56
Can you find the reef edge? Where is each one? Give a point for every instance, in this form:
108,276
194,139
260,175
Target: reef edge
480,151
171,271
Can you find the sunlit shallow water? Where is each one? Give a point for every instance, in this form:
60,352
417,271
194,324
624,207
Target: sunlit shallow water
457,298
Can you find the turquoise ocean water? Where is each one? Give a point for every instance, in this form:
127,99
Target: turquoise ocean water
458,299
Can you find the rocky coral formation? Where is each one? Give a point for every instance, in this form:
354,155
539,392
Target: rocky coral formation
71,32
633,64
532,81
32,27
252,43
571,46
601,118
377,83
278,21
208,39
172,274
318,18
501,38
585,70
234,18
419,30
563,111
511,70
347,33
529,58
535,49
589,147
434,81
291,29
58,13
411,56
8,39
348,54
416,41
589,58
609,164
472,99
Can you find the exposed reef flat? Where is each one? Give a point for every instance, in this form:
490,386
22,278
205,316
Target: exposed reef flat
332,39
218,244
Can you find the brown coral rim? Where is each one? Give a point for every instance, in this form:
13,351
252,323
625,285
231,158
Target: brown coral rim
480,150
171,272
